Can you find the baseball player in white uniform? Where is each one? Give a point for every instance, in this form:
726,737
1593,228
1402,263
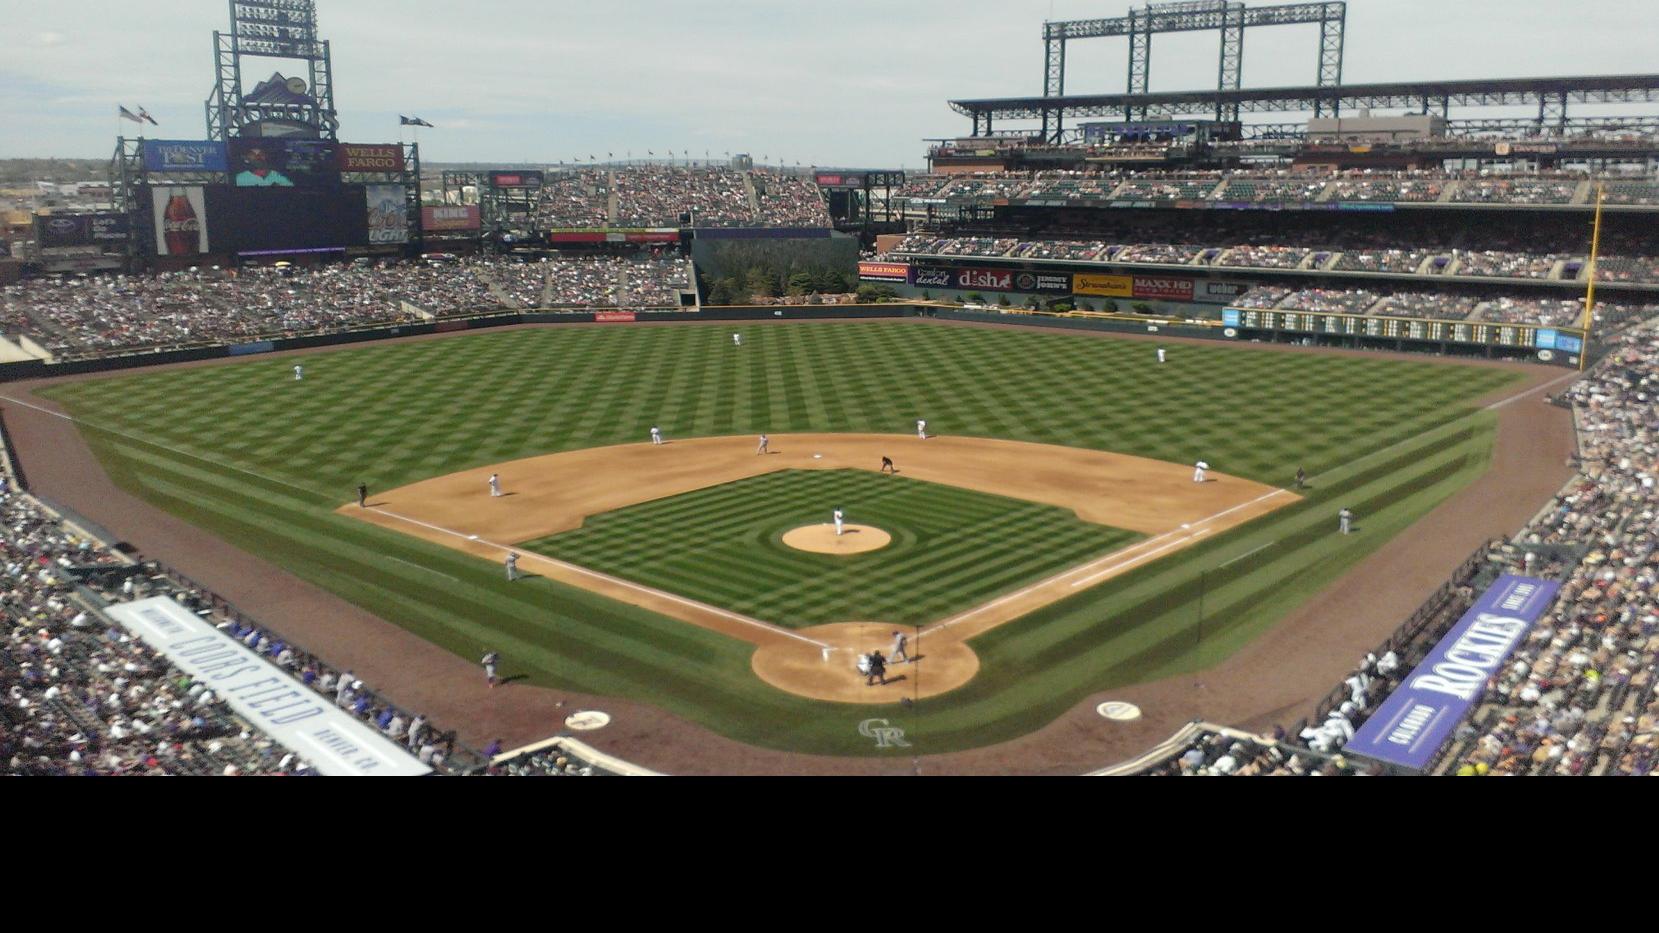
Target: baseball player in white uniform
512,566
299,372
656,435
761,447
838,523
900,641
495,485
1160,354
921,429
1198,471
1344,520
737,340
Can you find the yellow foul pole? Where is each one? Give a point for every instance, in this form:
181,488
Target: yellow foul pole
1590,291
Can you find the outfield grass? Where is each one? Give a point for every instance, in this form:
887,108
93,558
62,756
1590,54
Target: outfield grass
952,548
262,460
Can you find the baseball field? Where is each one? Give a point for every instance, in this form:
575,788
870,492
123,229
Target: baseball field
1047,543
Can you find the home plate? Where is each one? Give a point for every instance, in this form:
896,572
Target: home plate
472,537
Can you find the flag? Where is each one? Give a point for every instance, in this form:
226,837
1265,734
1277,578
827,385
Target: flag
129,115
413,121
146,115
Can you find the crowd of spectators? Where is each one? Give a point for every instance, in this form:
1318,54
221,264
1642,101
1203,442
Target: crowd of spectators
1265,257
1580,693
1392,261
1517,191
83,697
1505,264
1336,300
658,196
1444,306
74,317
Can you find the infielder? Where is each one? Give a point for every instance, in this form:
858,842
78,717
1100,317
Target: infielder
887,465
1344,519
1198,471
921,429
900,640
1160,354
362,495
656,435
512,566
495,485
299,372
761,447
737,340
491,659
837,523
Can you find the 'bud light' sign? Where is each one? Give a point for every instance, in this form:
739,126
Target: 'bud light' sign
177,155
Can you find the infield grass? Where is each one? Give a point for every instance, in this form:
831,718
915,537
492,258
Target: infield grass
952,548
262,461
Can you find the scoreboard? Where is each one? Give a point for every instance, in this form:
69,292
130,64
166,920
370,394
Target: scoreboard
1480,333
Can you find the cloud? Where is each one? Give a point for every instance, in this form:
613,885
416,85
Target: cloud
48,40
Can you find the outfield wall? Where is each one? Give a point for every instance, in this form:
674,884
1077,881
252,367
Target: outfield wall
39,369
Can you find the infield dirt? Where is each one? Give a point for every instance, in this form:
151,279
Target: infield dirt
553,493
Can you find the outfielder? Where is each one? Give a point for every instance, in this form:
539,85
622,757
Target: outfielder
1160,354
299,372
1198,471
495,485
737,340
656,435
921,429
1344,520
761,447
512,566
491,659
837,523
362,495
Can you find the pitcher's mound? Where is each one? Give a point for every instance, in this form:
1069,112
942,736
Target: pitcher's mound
822,539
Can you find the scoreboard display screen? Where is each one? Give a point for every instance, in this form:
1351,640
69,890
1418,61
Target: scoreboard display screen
1525,336
243,220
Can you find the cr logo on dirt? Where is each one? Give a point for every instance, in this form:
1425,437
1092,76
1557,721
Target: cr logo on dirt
886,736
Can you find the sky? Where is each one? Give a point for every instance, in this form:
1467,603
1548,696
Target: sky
855,83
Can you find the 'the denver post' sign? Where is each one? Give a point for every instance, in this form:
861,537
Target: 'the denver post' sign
1414,722
305,722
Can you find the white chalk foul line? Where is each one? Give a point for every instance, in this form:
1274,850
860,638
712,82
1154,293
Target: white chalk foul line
407,563
615,581
1112,562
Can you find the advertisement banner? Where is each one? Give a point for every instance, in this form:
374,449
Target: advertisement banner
305,722
110,228
1107,286
614,317
884,272
1219,293
360,158
1410,726
284,163
529,179
1230,317
62,231
448,219
1168,288
388,213
989,280
180,221
180,155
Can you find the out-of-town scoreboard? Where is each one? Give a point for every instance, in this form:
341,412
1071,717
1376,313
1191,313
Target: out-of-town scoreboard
1568,340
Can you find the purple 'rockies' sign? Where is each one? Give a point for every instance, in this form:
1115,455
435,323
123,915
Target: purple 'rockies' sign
1411,725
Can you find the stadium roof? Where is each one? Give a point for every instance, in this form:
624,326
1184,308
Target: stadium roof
1430,95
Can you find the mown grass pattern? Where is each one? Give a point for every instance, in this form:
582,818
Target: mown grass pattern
263,460
952,548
